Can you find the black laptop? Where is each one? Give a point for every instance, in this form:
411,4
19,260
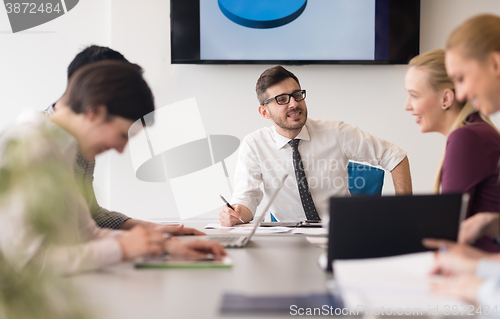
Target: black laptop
371,227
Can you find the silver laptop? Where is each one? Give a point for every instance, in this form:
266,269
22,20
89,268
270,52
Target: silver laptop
239,241
303,223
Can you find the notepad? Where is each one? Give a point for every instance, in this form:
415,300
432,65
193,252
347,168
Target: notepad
311,231
260,230
219,226
168,261
400,282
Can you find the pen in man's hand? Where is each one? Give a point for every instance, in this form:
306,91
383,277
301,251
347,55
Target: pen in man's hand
229,205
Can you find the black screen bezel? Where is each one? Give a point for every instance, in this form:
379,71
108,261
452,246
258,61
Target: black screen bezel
404,36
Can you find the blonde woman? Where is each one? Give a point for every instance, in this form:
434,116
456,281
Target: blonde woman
470,161
473,63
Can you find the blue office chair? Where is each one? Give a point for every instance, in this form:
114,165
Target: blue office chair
365,179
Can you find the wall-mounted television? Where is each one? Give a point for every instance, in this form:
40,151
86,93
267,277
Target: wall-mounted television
294,31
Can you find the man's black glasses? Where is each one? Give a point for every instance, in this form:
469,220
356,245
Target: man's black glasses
285,98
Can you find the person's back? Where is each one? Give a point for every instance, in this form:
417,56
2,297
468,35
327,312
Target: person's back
39,189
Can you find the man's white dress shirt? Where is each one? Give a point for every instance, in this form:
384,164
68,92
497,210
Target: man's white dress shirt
326,148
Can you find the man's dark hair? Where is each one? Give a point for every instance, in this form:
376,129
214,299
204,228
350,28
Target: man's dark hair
272,77
117,85
93,53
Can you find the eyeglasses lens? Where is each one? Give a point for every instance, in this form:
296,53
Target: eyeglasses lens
283,99
299,95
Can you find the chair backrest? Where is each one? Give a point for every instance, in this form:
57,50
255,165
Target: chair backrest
365,179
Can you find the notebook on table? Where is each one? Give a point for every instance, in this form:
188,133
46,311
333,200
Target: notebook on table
184,262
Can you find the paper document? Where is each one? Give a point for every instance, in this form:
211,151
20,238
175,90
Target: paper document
247,228
260,230
398,284
219,226
244,228
311,231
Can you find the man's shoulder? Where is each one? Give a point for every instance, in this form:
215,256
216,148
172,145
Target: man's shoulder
265,133
323,125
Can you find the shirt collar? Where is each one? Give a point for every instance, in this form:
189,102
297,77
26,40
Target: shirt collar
282,141
50,110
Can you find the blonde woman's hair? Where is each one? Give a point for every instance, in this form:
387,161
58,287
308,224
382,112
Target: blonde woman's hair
433,63
477,37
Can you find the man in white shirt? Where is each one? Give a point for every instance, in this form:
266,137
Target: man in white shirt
316,161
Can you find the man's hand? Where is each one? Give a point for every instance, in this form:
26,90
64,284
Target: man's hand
229,217
464,287
141,241
454,259
193,248
477,226
177,230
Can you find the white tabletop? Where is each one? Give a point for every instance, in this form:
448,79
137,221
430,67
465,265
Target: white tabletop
269,265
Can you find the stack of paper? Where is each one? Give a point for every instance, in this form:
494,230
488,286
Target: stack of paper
247,229
311,231
260,230
219,226
391,286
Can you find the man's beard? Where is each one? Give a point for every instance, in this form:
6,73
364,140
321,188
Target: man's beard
290,126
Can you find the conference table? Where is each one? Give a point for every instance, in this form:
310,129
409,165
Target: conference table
271,265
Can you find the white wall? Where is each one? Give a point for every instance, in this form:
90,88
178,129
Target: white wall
33,62
32,75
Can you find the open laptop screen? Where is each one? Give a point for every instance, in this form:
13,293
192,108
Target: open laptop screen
371,227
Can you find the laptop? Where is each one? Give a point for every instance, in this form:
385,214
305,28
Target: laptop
303,223
372,227
239,241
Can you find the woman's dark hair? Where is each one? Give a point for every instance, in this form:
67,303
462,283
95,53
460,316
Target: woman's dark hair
272,77
115,84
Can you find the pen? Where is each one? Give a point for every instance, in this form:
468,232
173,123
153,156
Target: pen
229,205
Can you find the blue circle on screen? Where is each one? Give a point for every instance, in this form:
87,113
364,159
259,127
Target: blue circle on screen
262,14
